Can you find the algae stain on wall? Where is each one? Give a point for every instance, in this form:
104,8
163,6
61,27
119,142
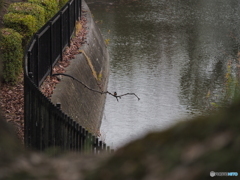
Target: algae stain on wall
90,66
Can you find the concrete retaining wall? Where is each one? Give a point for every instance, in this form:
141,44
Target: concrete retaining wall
84,106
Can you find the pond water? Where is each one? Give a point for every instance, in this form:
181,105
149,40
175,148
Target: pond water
180,57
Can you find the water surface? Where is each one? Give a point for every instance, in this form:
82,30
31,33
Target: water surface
173,54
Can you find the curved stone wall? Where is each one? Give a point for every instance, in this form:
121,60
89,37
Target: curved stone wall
85,106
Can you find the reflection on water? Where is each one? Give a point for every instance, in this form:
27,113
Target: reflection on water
173,54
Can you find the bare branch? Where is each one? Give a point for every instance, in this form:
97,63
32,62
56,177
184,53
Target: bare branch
94,90
119,96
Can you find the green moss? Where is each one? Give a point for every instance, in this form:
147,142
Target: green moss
50,6
29,9
62,3
23,24
12,54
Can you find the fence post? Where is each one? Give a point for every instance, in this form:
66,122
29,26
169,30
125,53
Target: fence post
84,140
77,137
87,141
27,109
104,147
65,133
81,139
51,46
69,138
93,144
74,136
37,61
69,28
79,9
61,37
97,145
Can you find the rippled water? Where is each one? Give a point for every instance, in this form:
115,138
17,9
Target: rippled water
173,54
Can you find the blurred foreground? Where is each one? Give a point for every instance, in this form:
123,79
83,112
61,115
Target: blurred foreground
189,150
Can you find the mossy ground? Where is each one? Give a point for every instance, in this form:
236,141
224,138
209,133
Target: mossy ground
188,150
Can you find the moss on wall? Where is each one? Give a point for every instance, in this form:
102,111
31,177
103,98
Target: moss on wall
82,105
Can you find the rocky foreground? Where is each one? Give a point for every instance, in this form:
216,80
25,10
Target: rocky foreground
189,150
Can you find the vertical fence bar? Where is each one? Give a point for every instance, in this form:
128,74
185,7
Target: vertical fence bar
61,133
79,8
97,146
46,126
84,140
51,46
75,10
73,135
40,124
69,28
93,144
65,133
77,137
37,62
61,37
104,147
80,139
36,75
100,146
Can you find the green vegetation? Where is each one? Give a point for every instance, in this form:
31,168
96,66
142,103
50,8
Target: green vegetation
232,85
50,6
29,9
62,3
23,24
11,50
22,21
230,91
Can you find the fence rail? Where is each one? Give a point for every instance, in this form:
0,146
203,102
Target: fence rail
45,125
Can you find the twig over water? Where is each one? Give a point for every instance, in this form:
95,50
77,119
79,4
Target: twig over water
97,91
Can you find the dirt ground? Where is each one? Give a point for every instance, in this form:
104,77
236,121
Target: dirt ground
11,99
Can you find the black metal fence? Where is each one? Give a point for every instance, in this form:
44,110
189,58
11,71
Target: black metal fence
45,125
48,43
